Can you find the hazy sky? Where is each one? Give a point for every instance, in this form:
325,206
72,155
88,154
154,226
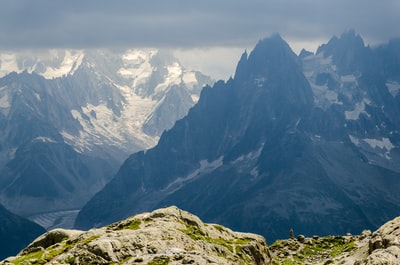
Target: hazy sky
209,34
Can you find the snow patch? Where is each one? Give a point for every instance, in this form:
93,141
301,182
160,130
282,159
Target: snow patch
374,147
37,96
382,144
5,101
348,79
44,139
189,78
314,65
205,167
111,128
250,156
137,66
393,87
195,98
324,97
8,63
259,82
359,109
56,63
254,173
354,140
174,77
70,63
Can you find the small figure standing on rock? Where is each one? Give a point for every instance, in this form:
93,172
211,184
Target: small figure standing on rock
291,233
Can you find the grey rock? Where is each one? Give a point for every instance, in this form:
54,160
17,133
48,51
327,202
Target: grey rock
166,235
301,238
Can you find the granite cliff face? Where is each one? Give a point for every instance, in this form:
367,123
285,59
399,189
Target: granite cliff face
164,236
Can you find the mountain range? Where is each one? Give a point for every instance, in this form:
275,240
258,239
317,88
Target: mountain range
309,142
69,118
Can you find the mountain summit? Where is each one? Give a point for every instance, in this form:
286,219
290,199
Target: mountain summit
310,143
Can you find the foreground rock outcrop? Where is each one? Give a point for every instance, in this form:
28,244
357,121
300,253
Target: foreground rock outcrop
164,236
384,245
173,236
381,247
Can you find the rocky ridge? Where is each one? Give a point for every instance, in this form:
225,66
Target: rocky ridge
164,236
173,236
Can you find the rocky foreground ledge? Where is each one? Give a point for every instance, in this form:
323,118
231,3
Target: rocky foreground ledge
173,236
381,247
165,236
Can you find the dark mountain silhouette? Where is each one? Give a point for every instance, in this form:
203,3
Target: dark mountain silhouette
309,143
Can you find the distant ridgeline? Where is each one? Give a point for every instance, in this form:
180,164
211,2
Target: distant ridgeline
16,233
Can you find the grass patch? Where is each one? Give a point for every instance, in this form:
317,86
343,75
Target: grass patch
339,249
292,252
219,228
70,260
36,256
162,260
88,240
44,255
133,225
234,245
195,233
334,245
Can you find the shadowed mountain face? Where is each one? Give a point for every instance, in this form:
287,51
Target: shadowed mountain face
15,233
309,143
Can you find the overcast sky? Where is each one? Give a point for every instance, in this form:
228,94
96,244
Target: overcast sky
209,34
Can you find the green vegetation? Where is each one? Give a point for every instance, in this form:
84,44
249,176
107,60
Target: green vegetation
291,252
334,245
43,256
195,233
233,245
133,225
89,239
36,257
70,260
219,228
161,260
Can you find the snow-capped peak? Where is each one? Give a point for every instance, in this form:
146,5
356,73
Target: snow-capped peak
49,64
136,66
